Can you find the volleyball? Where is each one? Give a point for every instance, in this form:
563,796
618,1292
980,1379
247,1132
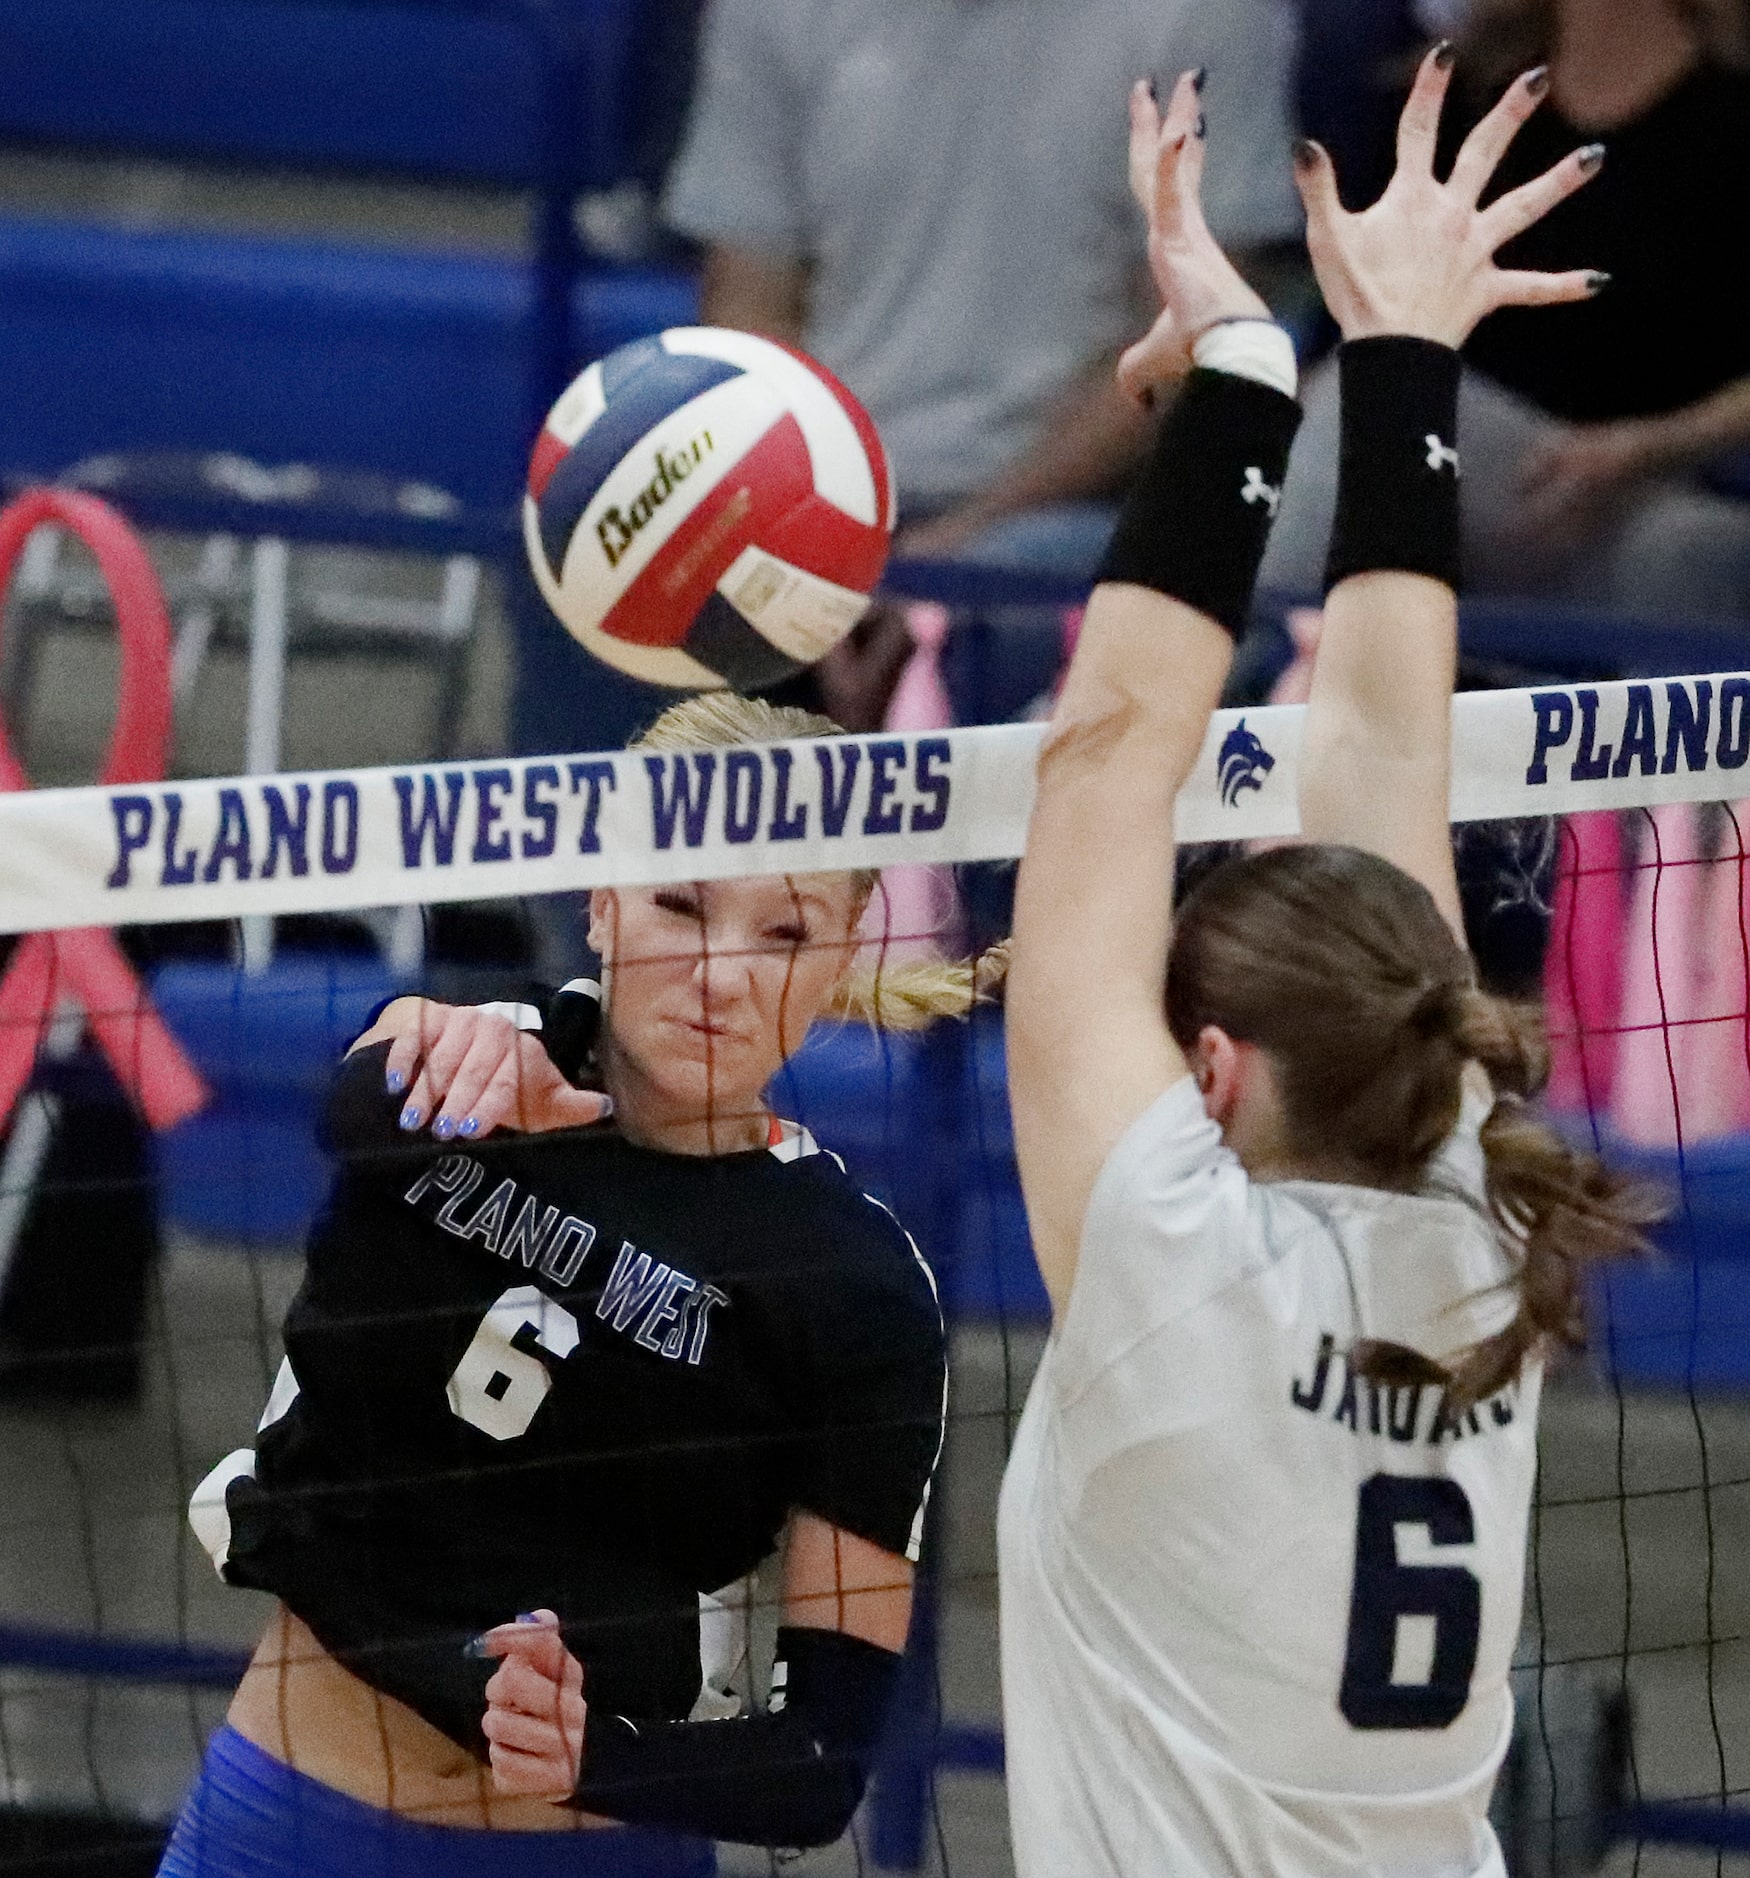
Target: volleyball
707,508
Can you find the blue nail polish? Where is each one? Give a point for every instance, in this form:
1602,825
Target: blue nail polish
443,1128
527,1617
476,1649
396,1081
470,1128
411,1117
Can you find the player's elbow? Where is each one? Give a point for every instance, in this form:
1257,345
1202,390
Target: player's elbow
833,1799
1087,732
1115,756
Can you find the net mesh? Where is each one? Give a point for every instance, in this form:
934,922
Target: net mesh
145,1282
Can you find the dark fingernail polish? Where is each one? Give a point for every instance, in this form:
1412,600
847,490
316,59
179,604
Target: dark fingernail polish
1537,80
1306,152
470,1128
1202,125
443,1129
396,1082
1597,282
411,1117
1154,91
607,1107
527,1617
1592,158
476,1648
1444,54
1199,78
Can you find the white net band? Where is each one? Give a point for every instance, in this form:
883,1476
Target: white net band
224,848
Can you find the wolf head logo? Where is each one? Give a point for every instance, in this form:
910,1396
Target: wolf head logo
1243,763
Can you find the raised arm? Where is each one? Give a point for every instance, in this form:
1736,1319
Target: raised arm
1406,281
1089,1048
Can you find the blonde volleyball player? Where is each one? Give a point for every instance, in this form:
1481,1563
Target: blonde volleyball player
1262,1533
561,1368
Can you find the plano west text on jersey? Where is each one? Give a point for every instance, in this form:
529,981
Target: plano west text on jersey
662,1308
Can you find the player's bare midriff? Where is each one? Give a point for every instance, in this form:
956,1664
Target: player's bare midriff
298,1704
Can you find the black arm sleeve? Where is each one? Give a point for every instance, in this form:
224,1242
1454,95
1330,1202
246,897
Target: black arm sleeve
359,1122
791,1777
571,1022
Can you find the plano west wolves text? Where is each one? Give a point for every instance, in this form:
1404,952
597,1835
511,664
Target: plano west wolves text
491,814
1695,723
663,1309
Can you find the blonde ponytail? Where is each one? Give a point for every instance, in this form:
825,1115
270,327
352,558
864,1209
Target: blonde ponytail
912,994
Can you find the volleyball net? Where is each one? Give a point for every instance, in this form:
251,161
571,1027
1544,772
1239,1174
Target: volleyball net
184,961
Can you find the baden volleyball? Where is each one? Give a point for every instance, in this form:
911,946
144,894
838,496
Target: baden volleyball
707,508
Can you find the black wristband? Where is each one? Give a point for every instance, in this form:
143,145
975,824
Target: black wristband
790,1777
1397,477
1198,515
571,1028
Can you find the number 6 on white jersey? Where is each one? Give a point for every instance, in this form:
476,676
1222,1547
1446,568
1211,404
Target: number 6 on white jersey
496,1387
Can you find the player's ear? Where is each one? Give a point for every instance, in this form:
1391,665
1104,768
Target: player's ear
1215,1062
851,942
604,922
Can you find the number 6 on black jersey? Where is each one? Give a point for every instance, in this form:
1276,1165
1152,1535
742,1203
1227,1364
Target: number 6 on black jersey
497,1387
1386,1592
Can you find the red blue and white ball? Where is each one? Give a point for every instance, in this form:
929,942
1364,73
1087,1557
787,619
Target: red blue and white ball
707,508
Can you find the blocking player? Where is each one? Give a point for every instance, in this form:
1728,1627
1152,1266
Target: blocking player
582,1375
1262,1533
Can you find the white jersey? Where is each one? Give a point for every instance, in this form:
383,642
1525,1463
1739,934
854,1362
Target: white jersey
1258,1614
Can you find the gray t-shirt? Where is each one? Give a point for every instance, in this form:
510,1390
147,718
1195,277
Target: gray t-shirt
953,174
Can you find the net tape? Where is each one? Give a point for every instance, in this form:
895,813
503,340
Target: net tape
223,848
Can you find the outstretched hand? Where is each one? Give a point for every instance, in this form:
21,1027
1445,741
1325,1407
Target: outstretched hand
535,1711
1199,286
1421,261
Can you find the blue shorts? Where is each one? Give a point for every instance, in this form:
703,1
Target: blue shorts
250,1816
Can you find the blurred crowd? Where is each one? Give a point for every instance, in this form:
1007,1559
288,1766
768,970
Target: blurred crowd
929,195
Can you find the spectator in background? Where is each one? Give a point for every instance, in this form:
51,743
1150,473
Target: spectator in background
854,171
1352,72
1588,429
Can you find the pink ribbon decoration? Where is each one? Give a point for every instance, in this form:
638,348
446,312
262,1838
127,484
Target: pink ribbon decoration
914,911
1681,1070
1583,967
86,966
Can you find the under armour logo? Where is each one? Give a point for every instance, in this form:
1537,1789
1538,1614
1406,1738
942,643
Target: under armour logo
1257,490
1439,453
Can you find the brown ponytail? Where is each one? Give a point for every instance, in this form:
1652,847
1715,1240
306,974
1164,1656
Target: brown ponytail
1341,967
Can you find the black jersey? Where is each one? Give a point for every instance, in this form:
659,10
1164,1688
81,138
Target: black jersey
561,1370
